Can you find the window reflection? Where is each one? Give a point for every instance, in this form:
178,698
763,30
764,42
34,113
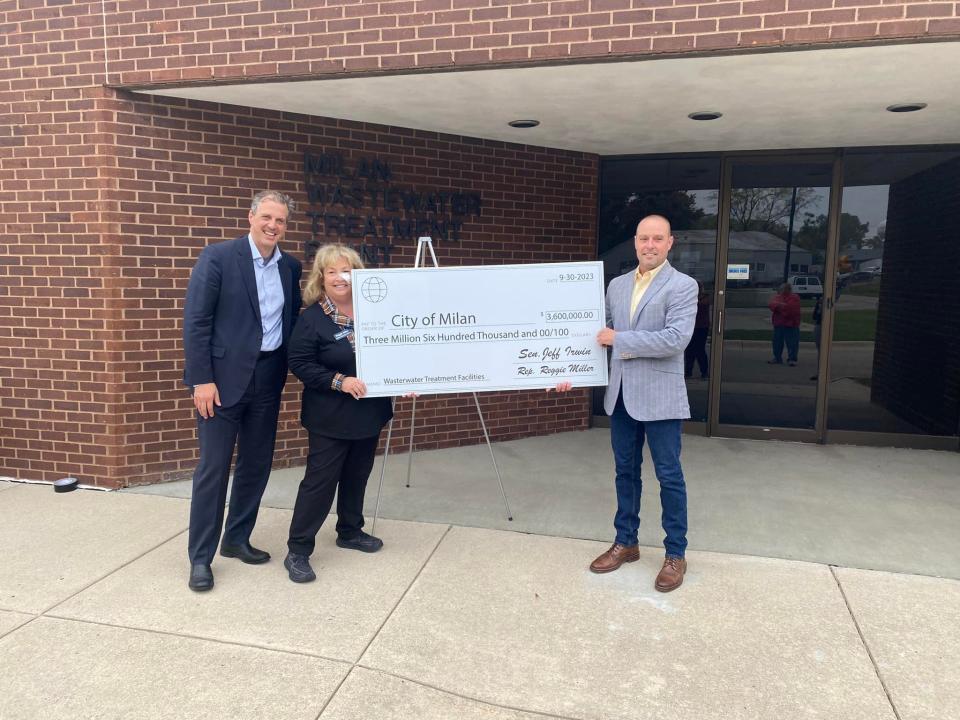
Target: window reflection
895,357
684,190
775,260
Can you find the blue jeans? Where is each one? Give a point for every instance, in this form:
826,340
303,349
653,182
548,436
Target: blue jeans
789,336
627,437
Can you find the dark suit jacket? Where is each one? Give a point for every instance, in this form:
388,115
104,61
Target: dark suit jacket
222,329
316,356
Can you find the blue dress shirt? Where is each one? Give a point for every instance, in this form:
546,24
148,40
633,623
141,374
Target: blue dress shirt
270,295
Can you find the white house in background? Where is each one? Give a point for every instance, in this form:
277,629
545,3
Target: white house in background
694,253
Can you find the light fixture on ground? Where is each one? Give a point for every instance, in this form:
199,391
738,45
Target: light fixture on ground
705,115
906,107
523,124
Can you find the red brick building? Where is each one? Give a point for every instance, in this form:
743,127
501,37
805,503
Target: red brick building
133,132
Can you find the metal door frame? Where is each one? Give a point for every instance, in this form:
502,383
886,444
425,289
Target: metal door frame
757,432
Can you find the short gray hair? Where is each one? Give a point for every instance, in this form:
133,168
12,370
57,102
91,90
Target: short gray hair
277,197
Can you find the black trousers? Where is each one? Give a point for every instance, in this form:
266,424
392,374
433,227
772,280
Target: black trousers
251,427
333,465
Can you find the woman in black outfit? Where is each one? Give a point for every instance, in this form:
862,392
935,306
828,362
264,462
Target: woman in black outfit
343,427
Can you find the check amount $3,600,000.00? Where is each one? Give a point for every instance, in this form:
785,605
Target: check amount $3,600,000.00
554,359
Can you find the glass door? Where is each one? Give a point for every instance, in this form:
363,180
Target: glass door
686,190
772,296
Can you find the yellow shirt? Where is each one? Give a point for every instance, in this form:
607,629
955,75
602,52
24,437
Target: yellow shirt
640,284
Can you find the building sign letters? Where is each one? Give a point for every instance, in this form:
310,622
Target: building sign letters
359,204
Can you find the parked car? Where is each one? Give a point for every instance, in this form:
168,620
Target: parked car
861,276
806,285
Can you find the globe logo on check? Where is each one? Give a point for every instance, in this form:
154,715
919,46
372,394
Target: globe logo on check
373,289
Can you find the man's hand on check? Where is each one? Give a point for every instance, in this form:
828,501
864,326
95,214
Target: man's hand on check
561,387
605,337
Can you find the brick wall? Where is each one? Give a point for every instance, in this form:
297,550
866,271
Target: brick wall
107,197
153,41
113,197
57,325
916,363
186,175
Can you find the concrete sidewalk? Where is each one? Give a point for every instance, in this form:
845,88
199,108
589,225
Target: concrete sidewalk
862,507
447,621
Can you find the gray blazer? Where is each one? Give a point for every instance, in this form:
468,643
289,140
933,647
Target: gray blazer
647,354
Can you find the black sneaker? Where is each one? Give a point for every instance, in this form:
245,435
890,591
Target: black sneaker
362,542
298,567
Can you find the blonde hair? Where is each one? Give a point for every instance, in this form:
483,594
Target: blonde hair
325,257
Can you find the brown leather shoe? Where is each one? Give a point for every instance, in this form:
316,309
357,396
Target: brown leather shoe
671,574
613,558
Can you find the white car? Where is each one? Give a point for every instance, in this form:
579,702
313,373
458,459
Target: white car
806,285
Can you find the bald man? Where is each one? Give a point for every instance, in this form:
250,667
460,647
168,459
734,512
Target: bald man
650,318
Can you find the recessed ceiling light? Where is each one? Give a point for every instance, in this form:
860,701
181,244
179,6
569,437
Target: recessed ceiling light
523,124
705,115
906,107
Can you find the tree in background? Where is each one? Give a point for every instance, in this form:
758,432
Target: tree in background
768,209
812,235
620,215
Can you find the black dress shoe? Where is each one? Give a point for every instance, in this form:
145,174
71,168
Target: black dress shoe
201,577
246,552
362,542
298,568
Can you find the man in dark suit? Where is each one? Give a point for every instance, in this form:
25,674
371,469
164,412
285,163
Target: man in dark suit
242,302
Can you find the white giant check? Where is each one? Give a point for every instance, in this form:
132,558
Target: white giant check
492,327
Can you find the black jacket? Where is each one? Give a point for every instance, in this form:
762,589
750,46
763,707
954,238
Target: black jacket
222,330
315,356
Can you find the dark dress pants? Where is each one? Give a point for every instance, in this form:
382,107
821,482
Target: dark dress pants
333,466
251,427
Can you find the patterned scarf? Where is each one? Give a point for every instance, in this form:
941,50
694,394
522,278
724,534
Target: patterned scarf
341,320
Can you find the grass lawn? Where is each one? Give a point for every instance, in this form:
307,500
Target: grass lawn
850,325
805,336
870,289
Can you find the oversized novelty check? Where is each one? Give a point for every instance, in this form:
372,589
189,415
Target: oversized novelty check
493,327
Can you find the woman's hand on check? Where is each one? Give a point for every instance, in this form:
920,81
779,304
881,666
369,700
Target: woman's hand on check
565,386
354,386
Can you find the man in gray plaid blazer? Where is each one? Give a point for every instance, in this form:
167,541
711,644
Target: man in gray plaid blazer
650,317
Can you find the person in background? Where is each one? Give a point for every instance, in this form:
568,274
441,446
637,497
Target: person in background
785,309
343,425
818,329
697,349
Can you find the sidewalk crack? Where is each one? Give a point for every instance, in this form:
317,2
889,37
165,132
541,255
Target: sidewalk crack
385,621
863,639
404,595
512,708
111,572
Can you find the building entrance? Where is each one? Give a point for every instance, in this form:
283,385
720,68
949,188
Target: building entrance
771,297
864,346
